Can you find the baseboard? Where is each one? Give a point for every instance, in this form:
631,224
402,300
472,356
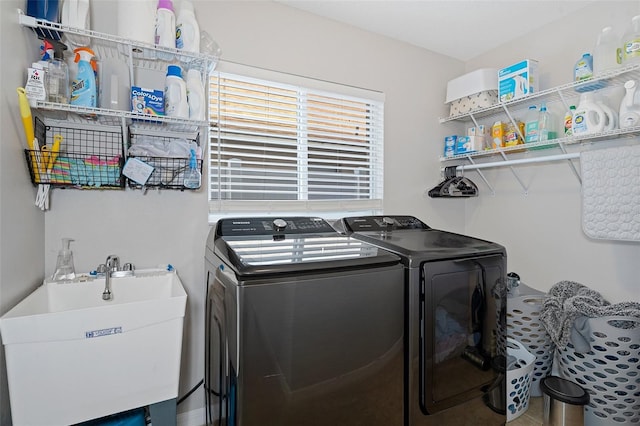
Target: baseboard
192,418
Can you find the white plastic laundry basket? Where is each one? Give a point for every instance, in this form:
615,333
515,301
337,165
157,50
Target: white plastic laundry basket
518,379
610,371
524,325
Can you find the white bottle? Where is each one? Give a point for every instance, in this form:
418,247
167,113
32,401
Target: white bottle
187,29
195,95
589,117
631,43
137,20
568,121
607,51
165,24
175,94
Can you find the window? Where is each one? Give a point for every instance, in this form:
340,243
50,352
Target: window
292,148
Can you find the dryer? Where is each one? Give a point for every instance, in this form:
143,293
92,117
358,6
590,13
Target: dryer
304,326
452,317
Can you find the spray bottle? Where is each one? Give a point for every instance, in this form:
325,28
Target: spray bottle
83,89
65,270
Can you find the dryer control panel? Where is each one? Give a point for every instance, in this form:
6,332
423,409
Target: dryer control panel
382,223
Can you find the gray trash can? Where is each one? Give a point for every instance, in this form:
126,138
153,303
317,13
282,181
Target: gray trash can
564,402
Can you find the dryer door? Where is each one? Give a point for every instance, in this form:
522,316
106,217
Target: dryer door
458,322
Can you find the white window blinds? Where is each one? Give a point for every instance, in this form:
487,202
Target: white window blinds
287,148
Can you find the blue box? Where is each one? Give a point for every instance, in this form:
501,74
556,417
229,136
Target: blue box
147,101
450,146
518,80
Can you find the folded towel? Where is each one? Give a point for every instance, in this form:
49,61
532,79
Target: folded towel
567,307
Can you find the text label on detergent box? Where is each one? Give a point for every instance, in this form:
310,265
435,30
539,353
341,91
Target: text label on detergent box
147,101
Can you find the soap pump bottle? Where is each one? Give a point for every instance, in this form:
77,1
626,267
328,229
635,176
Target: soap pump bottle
65,270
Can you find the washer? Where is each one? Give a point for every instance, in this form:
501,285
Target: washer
452,316
304,326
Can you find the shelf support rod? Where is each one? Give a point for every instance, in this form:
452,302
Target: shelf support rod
521,136
573,167
493,192
557,157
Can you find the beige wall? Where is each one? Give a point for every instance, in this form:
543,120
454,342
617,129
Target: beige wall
541,230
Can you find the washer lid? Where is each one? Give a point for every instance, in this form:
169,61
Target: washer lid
414,241
264,246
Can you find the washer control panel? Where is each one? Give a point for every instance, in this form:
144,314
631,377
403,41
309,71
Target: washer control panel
272,226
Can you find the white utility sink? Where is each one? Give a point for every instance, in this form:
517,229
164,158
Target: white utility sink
72,356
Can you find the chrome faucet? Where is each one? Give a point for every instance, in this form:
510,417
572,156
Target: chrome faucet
112,265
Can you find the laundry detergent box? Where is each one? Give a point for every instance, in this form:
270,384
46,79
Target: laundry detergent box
467,144
147,101
518,80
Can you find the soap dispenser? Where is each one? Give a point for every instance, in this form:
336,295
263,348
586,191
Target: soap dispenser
64,266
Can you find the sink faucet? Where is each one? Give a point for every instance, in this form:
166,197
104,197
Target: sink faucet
112,265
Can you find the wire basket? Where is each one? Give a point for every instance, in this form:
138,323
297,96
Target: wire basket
89,156
168,171
610,371
524,325
518,379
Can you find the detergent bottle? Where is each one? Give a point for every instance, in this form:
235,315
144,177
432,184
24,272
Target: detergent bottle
195,95
187,29
83,88
175,93
589,116
165,24
631,43
606,55
630,105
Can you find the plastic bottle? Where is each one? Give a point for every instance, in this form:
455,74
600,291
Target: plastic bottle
65,271
83,89
137,20
568,121
606,55
165,24
589,116
75,13
531,125
175,93
57,75
187,28
193,177
584,68
195,95
546,125
631,43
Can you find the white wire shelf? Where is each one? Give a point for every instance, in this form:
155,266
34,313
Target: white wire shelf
602,80
109,115
140,50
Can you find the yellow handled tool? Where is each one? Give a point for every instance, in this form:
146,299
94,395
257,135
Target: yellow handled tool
27,123
51,154
25,113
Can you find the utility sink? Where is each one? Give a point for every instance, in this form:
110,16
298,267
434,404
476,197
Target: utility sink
72,356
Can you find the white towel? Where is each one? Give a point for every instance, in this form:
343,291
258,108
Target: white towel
611,193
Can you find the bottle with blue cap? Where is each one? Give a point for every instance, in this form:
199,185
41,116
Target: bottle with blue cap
175,94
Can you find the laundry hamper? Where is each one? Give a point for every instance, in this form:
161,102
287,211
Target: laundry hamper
524,325
610,371
518,379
